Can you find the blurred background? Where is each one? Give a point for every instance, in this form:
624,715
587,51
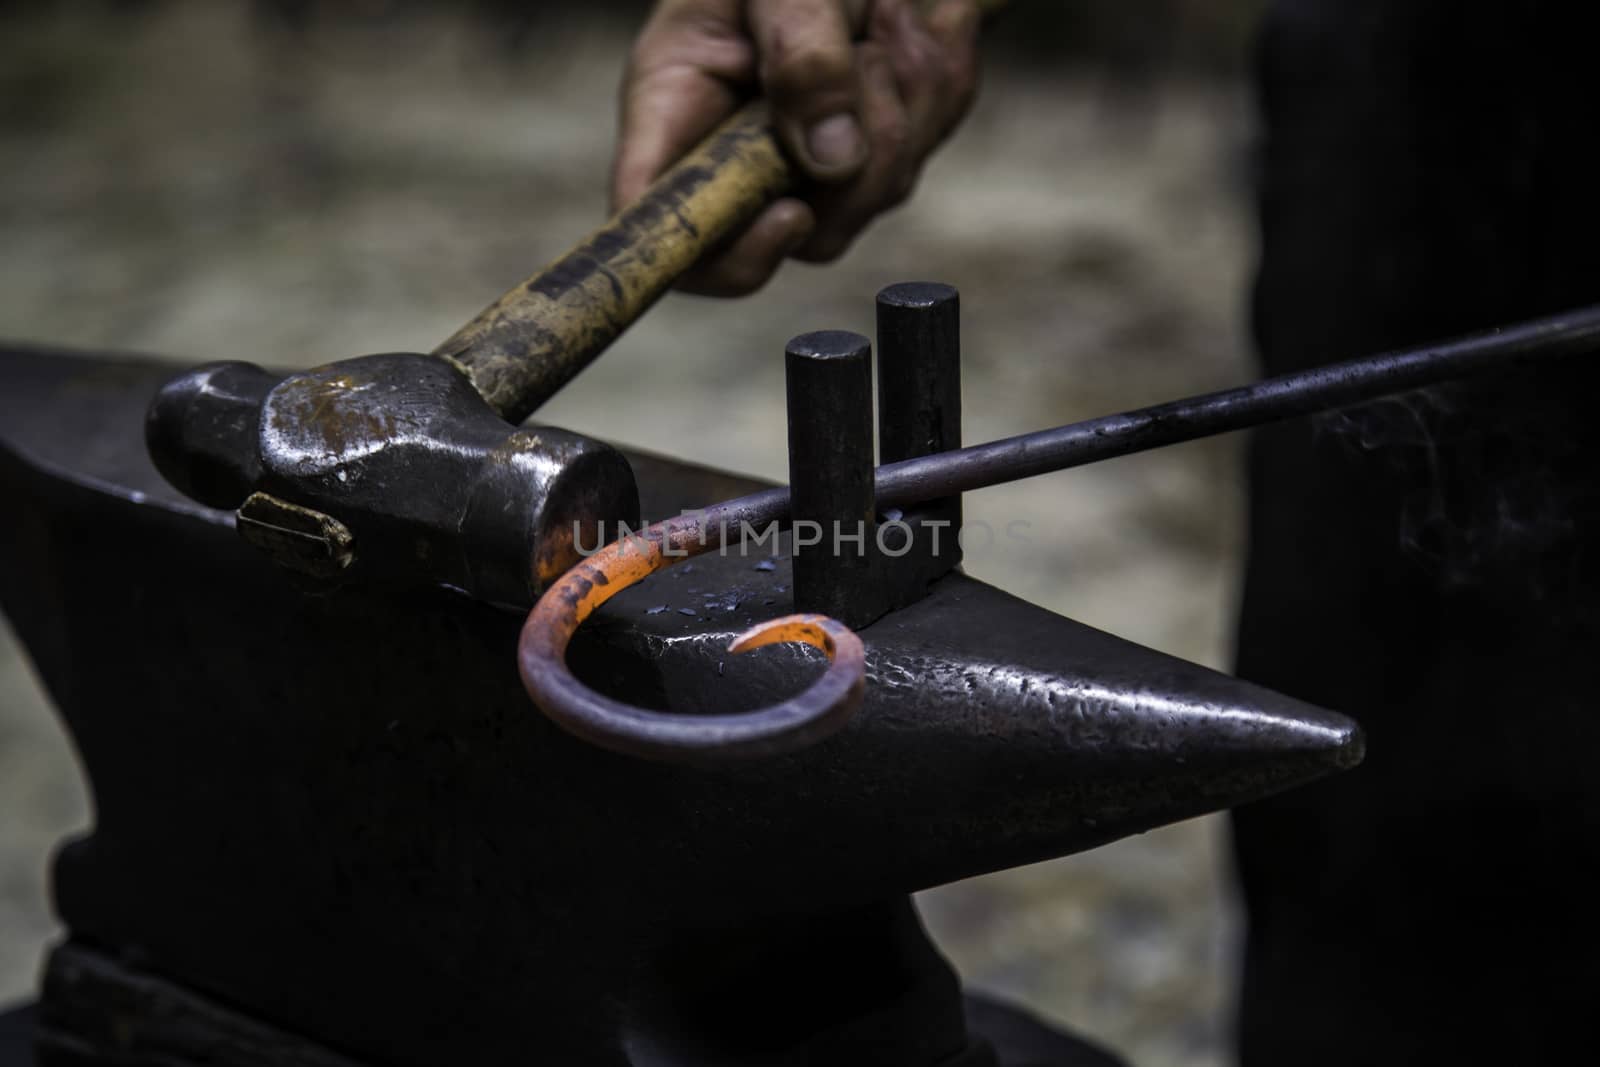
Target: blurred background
295,181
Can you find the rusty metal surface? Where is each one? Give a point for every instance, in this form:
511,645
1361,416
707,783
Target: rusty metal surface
376,796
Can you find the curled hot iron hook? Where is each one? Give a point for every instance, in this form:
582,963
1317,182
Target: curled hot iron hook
793,724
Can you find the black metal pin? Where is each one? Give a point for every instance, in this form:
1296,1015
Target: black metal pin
829,377
919,414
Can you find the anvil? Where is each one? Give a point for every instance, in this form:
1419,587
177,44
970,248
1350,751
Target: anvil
331,829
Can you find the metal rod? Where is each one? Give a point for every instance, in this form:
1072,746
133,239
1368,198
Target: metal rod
919,370
919,414
829,380
1287,396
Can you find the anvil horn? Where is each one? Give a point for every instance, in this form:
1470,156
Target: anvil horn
338,811
994,733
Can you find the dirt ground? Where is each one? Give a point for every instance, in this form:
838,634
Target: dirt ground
189,185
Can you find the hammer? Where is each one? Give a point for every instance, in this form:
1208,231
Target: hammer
407,467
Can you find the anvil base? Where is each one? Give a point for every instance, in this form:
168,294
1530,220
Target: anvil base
163,1024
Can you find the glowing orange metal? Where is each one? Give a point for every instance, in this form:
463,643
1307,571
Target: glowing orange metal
802,720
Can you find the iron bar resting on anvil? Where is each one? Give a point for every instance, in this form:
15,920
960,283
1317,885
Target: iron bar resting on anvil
1060,448
824,707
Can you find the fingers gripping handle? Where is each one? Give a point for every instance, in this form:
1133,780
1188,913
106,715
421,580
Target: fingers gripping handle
525,346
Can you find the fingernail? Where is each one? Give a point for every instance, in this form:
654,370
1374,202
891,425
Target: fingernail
836,141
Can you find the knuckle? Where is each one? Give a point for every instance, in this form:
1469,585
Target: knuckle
960,75
825,249
738,281
656,37
738,276
641,55
891,136
743,282
901,189
799,68
687,36
919,61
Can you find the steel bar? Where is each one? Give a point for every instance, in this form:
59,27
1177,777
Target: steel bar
1287,396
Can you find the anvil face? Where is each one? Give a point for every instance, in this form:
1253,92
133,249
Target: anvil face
340,812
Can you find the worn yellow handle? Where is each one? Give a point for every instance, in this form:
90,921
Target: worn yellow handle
524,347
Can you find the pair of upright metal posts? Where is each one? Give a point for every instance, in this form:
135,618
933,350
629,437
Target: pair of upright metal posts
847,565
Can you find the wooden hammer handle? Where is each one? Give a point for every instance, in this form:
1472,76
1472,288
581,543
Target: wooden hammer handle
524,347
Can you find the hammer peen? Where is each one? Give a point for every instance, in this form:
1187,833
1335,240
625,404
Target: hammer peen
407,467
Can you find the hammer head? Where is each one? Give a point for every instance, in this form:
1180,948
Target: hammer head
388,467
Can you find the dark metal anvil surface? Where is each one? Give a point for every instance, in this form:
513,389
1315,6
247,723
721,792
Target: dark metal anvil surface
337,816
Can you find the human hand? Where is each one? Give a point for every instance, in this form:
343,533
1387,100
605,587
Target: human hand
861,91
